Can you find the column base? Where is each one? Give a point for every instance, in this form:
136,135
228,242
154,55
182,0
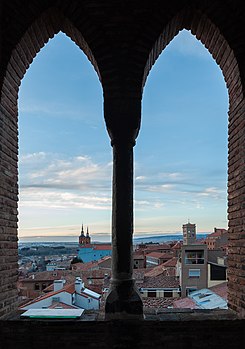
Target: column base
123,301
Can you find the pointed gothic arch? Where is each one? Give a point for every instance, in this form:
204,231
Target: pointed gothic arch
211,37
37,35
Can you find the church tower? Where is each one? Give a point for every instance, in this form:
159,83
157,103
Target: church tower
84,240
189,234
87,239
82,237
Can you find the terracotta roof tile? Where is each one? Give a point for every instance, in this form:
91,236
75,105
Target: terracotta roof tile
155,271
220,290
103,259
47,275
85,266
152,302
159,255
160,281
171,262
177,246
157,247
138,256
68,288
186,303
102,247
62,305
160,269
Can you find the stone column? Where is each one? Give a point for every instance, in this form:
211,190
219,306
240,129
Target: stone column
123,300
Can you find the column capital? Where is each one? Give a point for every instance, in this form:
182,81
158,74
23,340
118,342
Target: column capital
122,117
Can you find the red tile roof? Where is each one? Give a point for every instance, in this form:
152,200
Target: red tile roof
177,246
61,305
47,275
85,266
152,302
171,263
160,281
160,269
159,255
90,265
186,303
137,256
102,247
220,290
217,233
103,259
155,255
68,288
155,271
157,247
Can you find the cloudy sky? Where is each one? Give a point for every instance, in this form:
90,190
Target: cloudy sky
65,157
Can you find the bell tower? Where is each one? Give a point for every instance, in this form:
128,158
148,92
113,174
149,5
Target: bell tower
87,238
84,240
82,237
189,233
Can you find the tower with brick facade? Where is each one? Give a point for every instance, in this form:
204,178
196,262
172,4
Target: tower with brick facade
84,240
189,233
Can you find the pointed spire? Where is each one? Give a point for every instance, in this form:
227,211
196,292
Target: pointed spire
82,231
87,233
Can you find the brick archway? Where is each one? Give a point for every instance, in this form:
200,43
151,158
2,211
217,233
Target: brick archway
125,38
206,31
37,35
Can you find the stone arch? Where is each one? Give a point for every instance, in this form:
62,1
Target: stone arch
36,36
210,35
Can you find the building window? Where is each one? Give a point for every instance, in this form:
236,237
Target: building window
194,273
194,257
152,294
168,293
36,287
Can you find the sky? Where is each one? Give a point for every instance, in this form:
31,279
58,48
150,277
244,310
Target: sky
65,157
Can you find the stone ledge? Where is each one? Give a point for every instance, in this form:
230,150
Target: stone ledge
154,314
211,334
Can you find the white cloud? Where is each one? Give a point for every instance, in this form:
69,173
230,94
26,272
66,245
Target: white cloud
50,180
34,198
160,188
213,192
50,170
140,178
32,157
171,175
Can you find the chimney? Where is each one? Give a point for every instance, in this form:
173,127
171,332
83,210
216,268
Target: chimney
58,285
79,285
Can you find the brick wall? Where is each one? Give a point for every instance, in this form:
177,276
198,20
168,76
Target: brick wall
47,25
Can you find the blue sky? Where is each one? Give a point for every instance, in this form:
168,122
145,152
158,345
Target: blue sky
65,157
